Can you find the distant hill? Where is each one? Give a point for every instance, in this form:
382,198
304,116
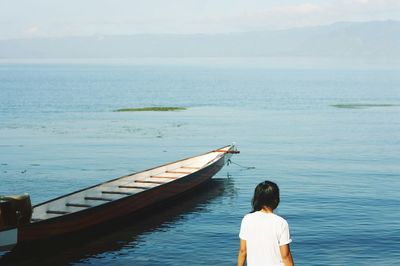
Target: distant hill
346,39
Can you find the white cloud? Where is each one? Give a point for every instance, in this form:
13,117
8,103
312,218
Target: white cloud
316,13
362,1
32,30
183,16
302,9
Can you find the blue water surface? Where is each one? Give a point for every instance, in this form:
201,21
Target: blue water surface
338,168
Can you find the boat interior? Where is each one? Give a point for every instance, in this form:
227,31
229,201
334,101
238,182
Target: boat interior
123,187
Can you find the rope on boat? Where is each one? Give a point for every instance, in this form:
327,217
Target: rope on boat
242,166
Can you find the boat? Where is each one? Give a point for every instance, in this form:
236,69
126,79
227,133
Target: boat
84,209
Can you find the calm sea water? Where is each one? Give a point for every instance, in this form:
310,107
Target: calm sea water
338,168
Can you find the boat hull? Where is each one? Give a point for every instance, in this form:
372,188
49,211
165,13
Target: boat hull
117,209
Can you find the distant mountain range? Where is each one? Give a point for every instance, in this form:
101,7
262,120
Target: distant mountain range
345,39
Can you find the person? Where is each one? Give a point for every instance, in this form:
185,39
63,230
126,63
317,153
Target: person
264,236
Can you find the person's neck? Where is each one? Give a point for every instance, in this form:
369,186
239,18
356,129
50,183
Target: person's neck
266,210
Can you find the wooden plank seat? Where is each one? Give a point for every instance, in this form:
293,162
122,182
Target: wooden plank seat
134,187
98,198
191,167
150,182
79,205
117,192
57,212
179,172
159,176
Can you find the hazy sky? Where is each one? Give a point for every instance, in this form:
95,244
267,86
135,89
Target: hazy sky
55,18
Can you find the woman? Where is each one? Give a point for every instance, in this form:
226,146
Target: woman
264,236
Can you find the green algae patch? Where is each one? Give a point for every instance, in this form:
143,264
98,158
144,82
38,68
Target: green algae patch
151,109
363,105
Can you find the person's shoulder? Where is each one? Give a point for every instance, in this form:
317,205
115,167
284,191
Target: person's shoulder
249,216
280,219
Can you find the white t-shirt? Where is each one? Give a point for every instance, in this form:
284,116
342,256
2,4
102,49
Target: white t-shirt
264,233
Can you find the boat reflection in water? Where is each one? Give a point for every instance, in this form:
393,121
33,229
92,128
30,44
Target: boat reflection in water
125,233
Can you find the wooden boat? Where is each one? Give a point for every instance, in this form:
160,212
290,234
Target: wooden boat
110,200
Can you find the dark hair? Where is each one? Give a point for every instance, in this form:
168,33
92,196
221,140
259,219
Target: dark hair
266,194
